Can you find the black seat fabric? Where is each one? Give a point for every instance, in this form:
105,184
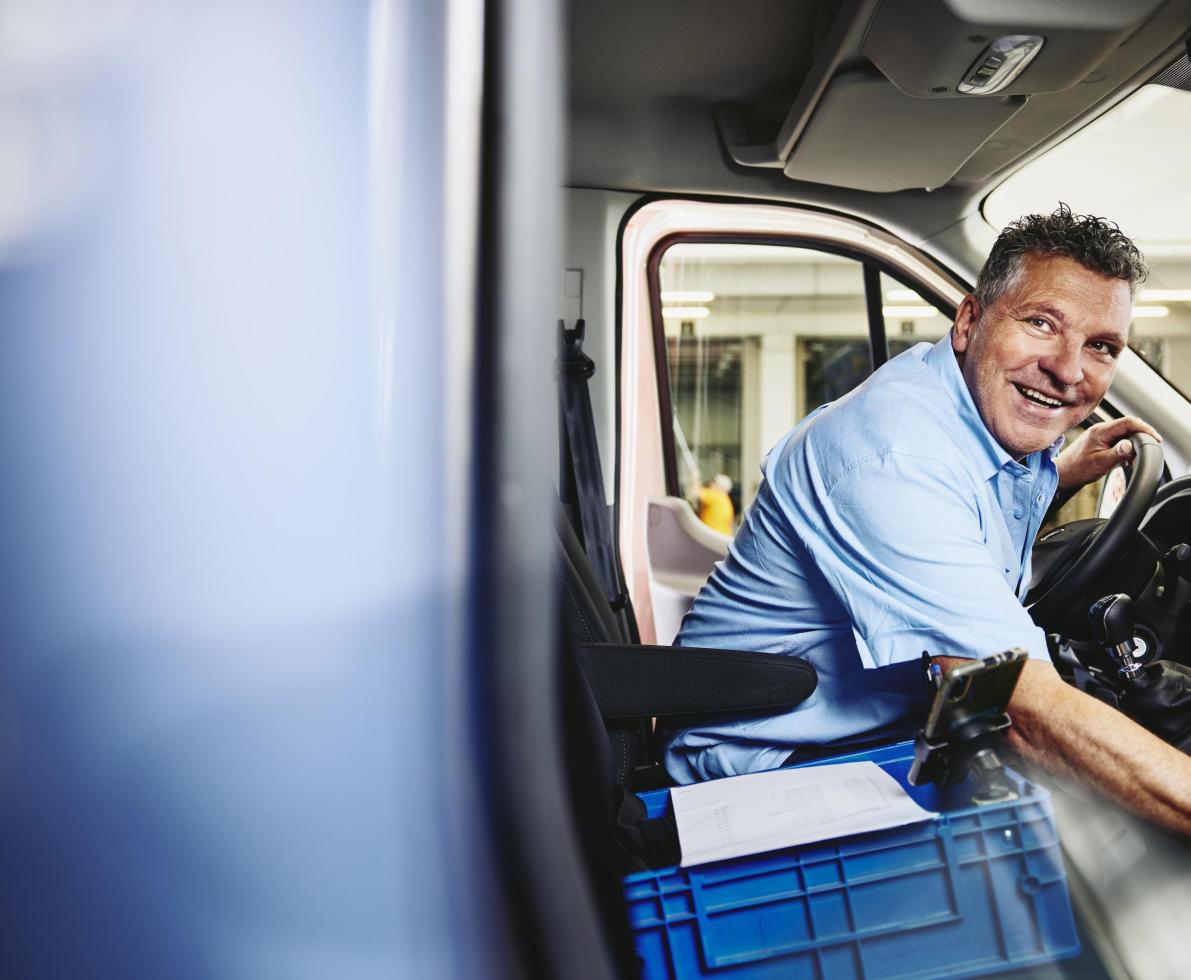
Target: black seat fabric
586,615
670,682
621,686
587,618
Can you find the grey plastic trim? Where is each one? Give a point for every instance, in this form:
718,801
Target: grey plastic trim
681,552
835,150
729,119
516,648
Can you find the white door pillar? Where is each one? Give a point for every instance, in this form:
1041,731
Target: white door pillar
777,392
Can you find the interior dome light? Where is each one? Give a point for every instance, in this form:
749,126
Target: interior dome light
1001,62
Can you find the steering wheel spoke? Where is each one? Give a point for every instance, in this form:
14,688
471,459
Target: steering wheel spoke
1070,576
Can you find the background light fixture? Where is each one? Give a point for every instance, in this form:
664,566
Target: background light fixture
687,295
1165,295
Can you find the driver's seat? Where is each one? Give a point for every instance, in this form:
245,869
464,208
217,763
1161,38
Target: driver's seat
620,686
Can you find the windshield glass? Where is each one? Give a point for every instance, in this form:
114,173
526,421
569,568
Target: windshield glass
1132,165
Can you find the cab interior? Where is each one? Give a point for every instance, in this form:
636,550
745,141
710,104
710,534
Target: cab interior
281,673
765,201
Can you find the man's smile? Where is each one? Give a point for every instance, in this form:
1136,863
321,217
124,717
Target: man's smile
1038,398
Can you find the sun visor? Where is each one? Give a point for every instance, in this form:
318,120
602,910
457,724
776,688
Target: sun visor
903,92
863,118
929,48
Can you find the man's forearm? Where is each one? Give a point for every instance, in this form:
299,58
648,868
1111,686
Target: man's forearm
1071,733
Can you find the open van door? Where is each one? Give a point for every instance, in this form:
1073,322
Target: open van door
276,631
736,320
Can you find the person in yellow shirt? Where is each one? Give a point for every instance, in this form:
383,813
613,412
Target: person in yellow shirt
715,504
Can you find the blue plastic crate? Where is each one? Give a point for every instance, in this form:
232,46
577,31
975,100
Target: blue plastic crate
977,890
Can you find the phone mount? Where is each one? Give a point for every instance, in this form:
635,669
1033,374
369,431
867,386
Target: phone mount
970,751
965,726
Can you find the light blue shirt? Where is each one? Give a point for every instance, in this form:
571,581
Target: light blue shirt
888,522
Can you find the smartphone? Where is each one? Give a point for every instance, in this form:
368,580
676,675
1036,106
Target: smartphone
970,704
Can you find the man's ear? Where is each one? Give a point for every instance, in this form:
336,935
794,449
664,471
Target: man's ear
966,318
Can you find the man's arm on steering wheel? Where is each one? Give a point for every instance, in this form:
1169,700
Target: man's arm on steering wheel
1072,734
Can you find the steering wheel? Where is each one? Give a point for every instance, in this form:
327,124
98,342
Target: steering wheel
1060,588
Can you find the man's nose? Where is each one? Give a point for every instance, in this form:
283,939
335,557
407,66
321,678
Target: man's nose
1064,362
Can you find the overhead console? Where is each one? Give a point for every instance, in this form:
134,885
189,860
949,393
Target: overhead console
922,85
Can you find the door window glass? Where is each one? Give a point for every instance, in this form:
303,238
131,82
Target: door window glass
909,319
756,336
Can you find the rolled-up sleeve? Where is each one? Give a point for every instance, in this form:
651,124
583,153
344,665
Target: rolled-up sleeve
905,546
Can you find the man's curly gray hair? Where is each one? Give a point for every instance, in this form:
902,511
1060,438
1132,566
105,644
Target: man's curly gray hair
1095,243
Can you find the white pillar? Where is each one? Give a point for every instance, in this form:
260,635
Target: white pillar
777,389
751,449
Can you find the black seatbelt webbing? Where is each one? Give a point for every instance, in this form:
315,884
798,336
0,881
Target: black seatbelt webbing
579,459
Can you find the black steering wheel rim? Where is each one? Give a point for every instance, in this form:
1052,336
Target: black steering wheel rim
1110,542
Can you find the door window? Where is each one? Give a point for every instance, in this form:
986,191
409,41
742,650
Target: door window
757,336
909,317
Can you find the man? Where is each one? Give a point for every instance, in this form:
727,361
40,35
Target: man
900,519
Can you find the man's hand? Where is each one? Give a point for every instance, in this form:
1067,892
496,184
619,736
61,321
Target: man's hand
1099,449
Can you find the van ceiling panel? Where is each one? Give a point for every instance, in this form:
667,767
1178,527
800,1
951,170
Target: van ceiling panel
926,47
648,77
630,51
868,135
861,132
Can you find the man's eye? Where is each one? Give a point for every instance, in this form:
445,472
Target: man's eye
1102,347
1040,322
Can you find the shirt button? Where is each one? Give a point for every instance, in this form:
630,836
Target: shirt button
1019,514
1039,498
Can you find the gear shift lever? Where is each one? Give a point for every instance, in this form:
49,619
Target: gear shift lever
1112,628
1157,696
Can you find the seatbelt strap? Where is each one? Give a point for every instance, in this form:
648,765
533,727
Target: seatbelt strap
579,460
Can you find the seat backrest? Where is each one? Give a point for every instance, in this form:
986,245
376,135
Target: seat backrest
610,688
599,760
588,618
586,615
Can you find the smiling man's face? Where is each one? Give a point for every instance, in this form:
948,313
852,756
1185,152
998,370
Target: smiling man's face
1038,361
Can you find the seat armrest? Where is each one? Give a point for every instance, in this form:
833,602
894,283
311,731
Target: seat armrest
631,681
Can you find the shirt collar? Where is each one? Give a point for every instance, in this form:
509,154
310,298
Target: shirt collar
989,454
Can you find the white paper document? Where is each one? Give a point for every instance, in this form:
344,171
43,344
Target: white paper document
727,818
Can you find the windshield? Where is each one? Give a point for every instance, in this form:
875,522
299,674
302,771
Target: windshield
1132,165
